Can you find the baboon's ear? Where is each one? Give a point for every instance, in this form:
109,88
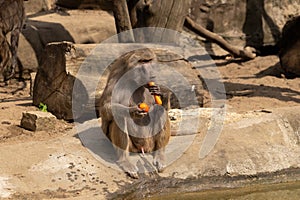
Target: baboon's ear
139,56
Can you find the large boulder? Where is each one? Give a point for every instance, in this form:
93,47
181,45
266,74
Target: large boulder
290,48
77,26
34,6
245,22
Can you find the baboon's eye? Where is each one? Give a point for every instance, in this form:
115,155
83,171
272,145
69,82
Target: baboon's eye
1,59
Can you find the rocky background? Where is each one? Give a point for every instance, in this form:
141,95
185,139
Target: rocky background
254,21
242,22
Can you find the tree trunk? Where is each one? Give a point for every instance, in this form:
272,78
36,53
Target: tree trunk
160,14
164,15
122,20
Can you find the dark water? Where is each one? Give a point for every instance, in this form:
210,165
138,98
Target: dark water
282,191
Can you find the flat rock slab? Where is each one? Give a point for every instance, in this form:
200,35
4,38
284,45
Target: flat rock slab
38,121
263,141
248,144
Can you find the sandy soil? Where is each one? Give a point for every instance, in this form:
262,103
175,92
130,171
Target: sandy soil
252,85
258,84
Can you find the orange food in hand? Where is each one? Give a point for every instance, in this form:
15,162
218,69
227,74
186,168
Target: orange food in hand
144,107
151,83
156,97
158,100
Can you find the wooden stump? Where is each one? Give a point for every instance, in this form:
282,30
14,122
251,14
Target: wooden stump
53,86
161,14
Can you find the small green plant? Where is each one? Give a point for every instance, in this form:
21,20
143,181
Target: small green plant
43,107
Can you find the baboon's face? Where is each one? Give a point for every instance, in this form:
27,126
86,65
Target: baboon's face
143,73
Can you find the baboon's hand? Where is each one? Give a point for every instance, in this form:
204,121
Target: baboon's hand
136,112
154,90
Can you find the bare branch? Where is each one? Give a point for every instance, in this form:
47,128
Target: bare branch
213,37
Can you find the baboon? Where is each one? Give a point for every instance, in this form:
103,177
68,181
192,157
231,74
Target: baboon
12,16
129,128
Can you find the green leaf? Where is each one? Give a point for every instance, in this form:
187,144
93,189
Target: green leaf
43,107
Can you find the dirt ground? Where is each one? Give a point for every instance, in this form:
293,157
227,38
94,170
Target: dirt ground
258,84
252,85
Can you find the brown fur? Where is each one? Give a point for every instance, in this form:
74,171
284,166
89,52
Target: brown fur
123,140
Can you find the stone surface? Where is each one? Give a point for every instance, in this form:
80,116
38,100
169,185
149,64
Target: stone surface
246,22
38,121
249,144
79,26
34,6
289,49
190,121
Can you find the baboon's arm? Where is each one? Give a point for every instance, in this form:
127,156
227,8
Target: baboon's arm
119,110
